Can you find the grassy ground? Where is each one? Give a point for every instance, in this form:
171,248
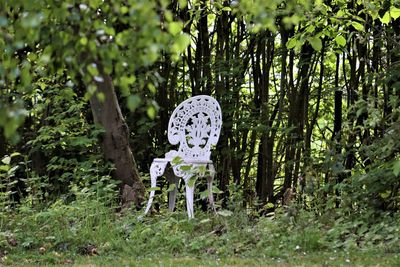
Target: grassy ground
86,234
354,258
325,258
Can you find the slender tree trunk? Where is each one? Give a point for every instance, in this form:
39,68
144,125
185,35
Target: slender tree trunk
162,100
337,124
376,57
297,117
352,97
310,128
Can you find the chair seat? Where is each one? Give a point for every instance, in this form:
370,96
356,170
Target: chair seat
189,161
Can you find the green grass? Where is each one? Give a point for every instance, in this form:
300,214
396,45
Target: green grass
314,259
325,258
86,234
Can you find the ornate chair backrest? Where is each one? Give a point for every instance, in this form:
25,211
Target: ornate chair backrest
195,124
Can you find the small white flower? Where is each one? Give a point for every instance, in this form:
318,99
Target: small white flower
83,6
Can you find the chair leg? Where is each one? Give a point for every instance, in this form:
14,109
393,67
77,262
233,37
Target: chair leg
172,198
152,192
189,199
172,179
210,185
156,169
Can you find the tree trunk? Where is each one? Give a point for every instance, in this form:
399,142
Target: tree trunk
297,117
115,140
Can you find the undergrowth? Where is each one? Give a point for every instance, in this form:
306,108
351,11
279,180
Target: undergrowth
86,229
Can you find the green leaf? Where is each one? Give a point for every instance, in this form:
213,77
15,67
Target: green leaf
269,205
12,171
192,181
360,111
315,42
396,168
26,75
6,160
205,221
182,3
133,102
171,187
120,38
175,27
152,88
95,3
153,188
386,18
83,40
125,82
92,69
340,40
32,57
385,194
225,213
4,168
180,44
358,26
124,10
15,154
204,194
292,43
151,112
186,168
394,12
202,169
177,160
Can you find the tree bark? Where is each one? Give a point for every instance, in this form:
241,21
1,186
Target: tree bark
115,140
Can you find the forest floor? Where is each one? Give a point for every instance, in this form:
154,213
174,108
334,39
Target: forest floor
321,258
354,258
86,234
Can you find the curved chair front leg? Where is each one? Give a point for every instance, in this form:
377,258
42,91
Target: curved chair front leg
189,188
210,180
189,196
156,170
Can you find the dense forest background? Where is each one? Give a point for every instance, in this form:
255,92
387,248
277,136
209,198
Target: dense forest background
309,93
309,150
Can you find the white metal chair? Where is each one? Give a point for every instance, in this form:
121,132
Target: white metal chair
195,125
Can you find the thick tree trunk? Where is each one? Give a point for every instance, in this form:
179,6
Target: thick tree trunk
264,175
115,141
